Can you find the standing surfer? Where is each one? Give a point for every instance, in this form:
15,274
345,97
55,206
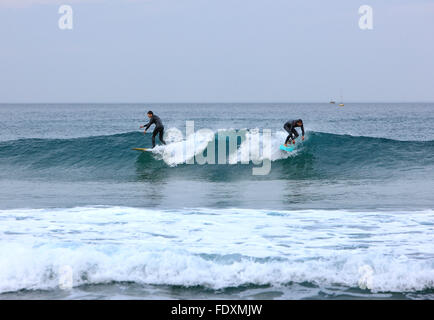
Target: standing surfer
159,128
293,134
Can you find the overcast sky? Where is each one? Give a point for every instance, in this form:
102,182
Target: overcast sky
216,51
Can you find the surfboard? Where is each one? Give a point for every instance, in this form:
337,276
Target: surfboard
142,149
289,149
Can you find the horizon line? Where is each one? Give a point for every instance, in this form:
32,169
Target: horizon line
215,102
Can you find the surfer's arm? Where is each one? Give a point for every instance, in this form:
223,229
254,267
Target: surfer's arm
149,124
302,130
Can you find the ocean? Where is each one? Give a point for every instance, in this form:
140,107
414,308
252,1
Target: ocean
349,214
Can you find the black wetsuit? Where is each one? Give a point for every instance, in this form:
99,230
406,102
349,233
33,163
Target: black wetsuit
290,128
159,129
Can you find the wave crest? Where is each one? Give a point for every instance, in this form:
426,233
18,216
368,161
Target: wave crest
320,155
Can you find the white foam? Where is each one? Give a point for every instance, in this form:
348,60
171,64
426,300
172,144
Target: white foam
256,150
179,150
379,251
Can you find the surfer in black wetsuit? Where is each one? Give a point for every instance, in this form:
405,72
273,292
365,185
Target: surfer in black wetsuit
293,134
159,128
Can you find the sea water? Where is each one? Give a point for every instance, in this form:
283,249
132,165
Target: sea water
349,214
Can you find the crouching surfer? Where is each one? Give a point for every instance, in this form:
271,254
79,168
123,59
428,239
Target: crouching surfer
292,133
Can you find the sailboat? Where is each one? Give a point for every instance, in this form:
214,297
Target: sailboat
342,101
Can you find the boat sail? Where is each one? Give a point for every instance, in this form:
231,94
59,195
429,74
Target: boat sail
342,101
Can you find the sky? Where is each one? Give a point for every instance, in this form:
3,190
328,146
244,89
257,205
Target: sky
216,51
